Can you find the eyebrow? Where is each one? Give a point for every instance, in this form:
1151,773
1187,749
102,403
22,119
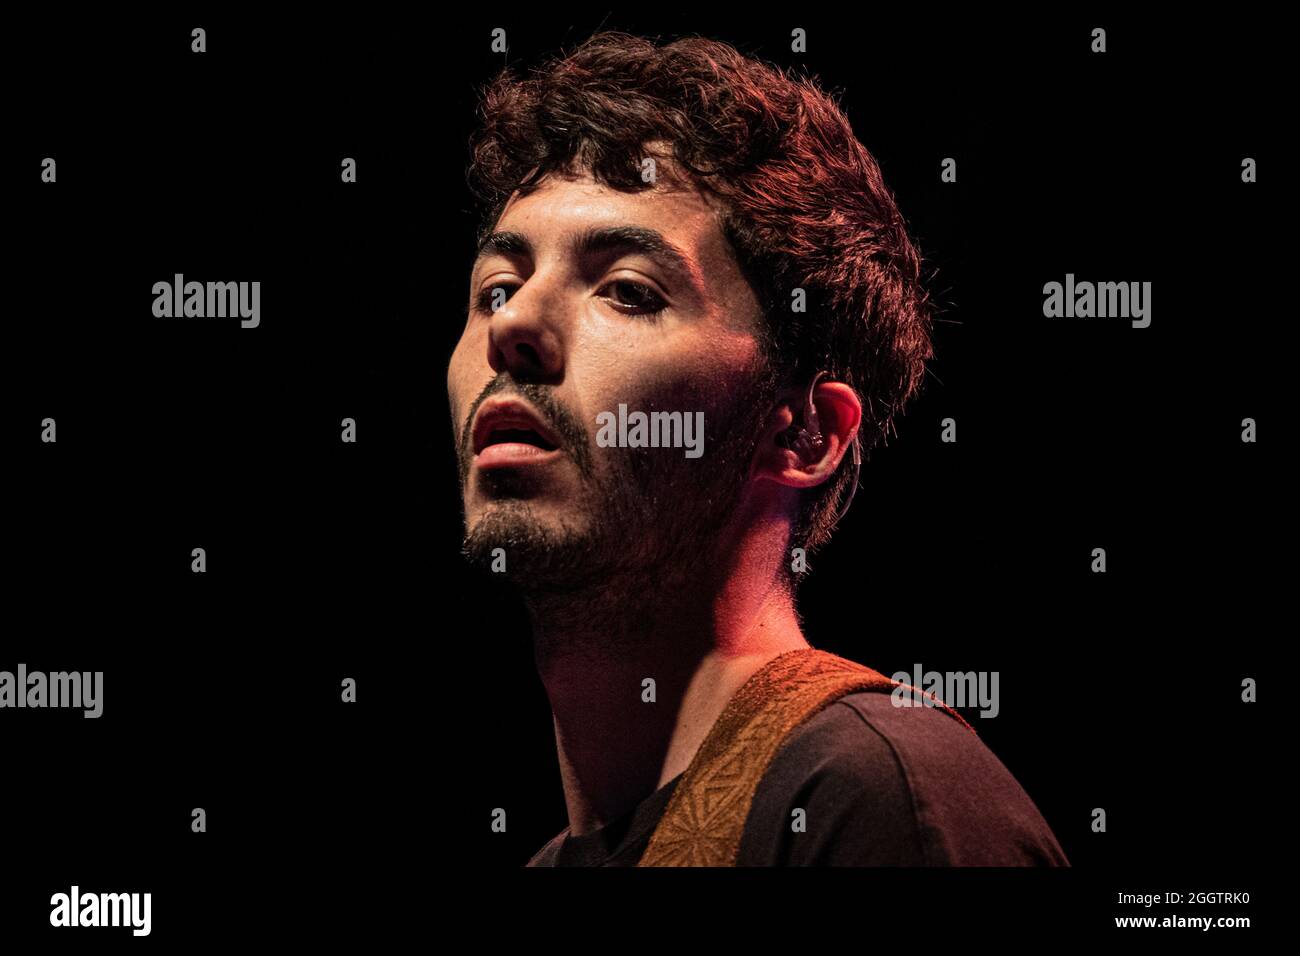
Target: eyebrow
503,244
648,242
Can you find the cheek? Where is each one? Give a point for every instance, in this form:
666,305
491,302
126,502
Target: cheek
460,380
689,372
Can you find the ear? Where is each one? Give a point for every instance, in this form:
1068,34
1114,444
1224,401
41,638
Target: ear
839,414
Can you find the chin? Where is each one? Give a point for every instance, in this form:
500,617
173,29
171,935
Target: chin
526,537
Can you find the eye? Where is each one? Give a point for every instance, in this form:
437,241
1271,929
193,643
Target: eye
634,298
488,298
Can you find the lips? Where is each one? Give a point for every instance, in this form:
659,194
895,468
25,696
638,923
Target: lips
510,421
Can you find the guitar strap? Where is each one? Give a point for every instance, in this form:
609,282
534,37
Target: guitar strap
705,817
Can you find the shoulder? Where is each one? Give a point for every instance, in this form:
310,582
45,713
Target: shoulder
549,854
881,784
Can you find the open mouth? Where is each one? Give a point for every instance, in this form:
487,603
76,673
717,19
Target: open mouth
518,436
509,433
513,429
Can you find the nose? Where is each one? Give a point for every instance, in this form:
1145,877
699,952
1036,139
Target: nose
524,337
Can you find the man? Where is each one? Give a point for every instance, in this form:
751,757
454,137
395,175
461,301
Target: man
687,235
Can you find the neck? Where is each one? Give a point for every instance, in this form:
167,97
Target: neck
697,637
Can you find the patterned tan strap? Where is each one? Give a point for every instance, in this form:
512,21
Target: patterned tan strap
705,816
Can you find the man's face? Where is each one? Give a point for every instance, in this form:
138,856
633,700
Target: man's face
603,298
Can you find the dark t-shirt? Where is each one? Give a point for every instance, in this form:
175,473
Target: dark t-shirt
881,785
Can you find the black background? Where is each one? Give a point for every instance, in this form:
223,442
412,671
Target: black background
328,560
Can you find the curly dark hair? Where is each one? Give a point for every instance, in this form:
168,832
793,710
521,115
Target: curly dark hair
802,203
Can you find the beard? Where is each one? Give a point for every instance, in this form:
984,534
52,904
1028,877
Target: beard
651,515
